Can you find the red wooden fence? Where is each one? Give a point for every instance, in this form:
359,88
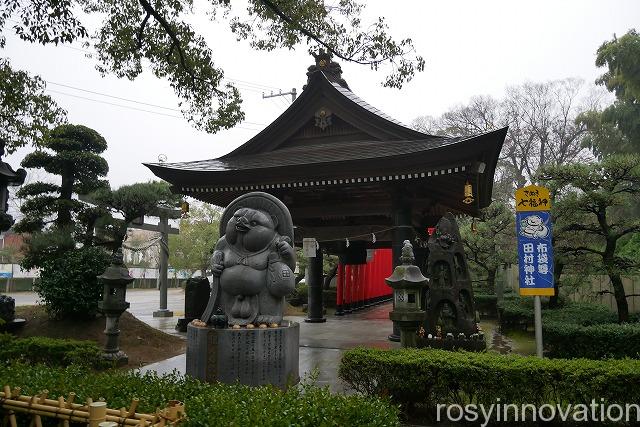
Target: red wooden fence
362,285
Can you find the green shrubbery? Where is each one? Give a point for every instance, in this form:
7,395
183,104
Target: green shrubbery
486,304
515,313
208,404
299,295
486,300
68,285
50,351
590,331
609,340
577,330
420,378
580,313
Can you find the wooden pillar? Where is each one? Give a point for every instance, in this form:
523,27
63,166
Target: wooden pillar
402,230
315,309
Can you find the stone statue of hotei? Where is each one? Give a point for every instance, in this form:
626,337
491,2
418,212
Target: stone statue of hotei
253,263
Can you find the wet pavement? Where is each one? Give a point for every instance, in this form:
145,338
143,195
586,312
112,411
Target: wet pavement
321,344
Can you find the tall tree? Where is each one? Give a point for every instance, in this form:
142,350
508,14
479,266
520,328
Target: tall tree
26,113
490,241
596,199
191,250
55,220
139,34
71,152
616,129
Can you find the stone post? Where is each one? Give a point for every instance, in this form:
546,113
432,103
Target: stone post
164,268
315,309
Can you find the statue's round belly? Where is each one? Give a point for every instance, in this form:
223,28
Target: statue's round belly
243,280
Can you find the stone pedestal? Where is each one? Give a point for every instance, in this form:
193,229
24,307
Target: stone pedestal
249,356
163,312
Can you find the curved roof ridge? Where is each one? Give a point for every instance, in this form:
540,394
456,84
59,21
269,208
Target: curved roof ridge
364,104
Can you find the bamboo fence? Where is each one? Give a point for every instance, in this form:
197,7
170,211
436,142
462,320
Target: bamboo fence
94,414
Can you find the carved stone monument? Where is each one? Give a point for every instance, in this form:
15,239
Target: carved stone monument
449,300
241,336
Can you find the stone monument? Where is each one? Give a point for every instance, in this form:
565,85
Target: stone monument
450,320
196,296
241,337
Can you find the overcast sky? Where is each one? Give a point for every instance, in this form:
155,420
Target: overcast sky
471,48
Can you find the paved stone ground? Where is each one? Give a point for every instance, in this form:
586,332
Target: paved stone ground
321,344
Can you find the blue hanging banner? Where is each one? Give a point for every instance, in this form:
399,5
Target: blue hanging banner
535,250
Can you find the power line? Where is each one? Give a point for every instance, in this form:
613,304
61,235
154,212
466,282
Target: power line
113,104
134,108
257,85
112,96
123,99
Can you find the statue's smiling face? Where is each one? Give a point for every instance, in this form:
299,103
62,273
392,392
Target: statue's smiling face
250,229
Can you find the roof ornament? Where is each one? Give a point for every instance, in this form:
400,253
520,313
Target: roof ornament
331,69
323,118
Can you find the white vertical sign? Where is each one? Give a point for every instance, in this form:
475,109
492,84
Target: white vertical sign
309,247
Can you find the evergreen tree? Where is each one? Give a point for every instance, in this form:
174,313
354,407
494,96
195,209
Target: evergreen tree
191,250
130,202
616,129
595,215
490,242
26,112
51,213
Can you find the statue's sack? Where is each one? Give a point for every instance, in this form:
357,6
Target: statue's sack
280,280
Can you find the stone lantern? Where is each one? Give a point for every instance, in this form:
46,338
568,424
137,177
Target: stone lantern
408,283
115,280
8,177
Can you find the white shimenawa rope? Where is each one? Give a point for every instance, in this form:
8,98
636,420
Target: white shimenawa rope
144,246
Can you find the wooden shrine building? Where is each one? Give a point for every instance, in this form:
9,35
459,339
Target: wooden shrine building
346,171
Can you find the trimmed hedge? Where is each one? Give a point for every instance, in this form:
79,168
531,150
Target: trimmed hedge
420,377
208,404
589,331
577,330
581,313
50,351
519,311
603,341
